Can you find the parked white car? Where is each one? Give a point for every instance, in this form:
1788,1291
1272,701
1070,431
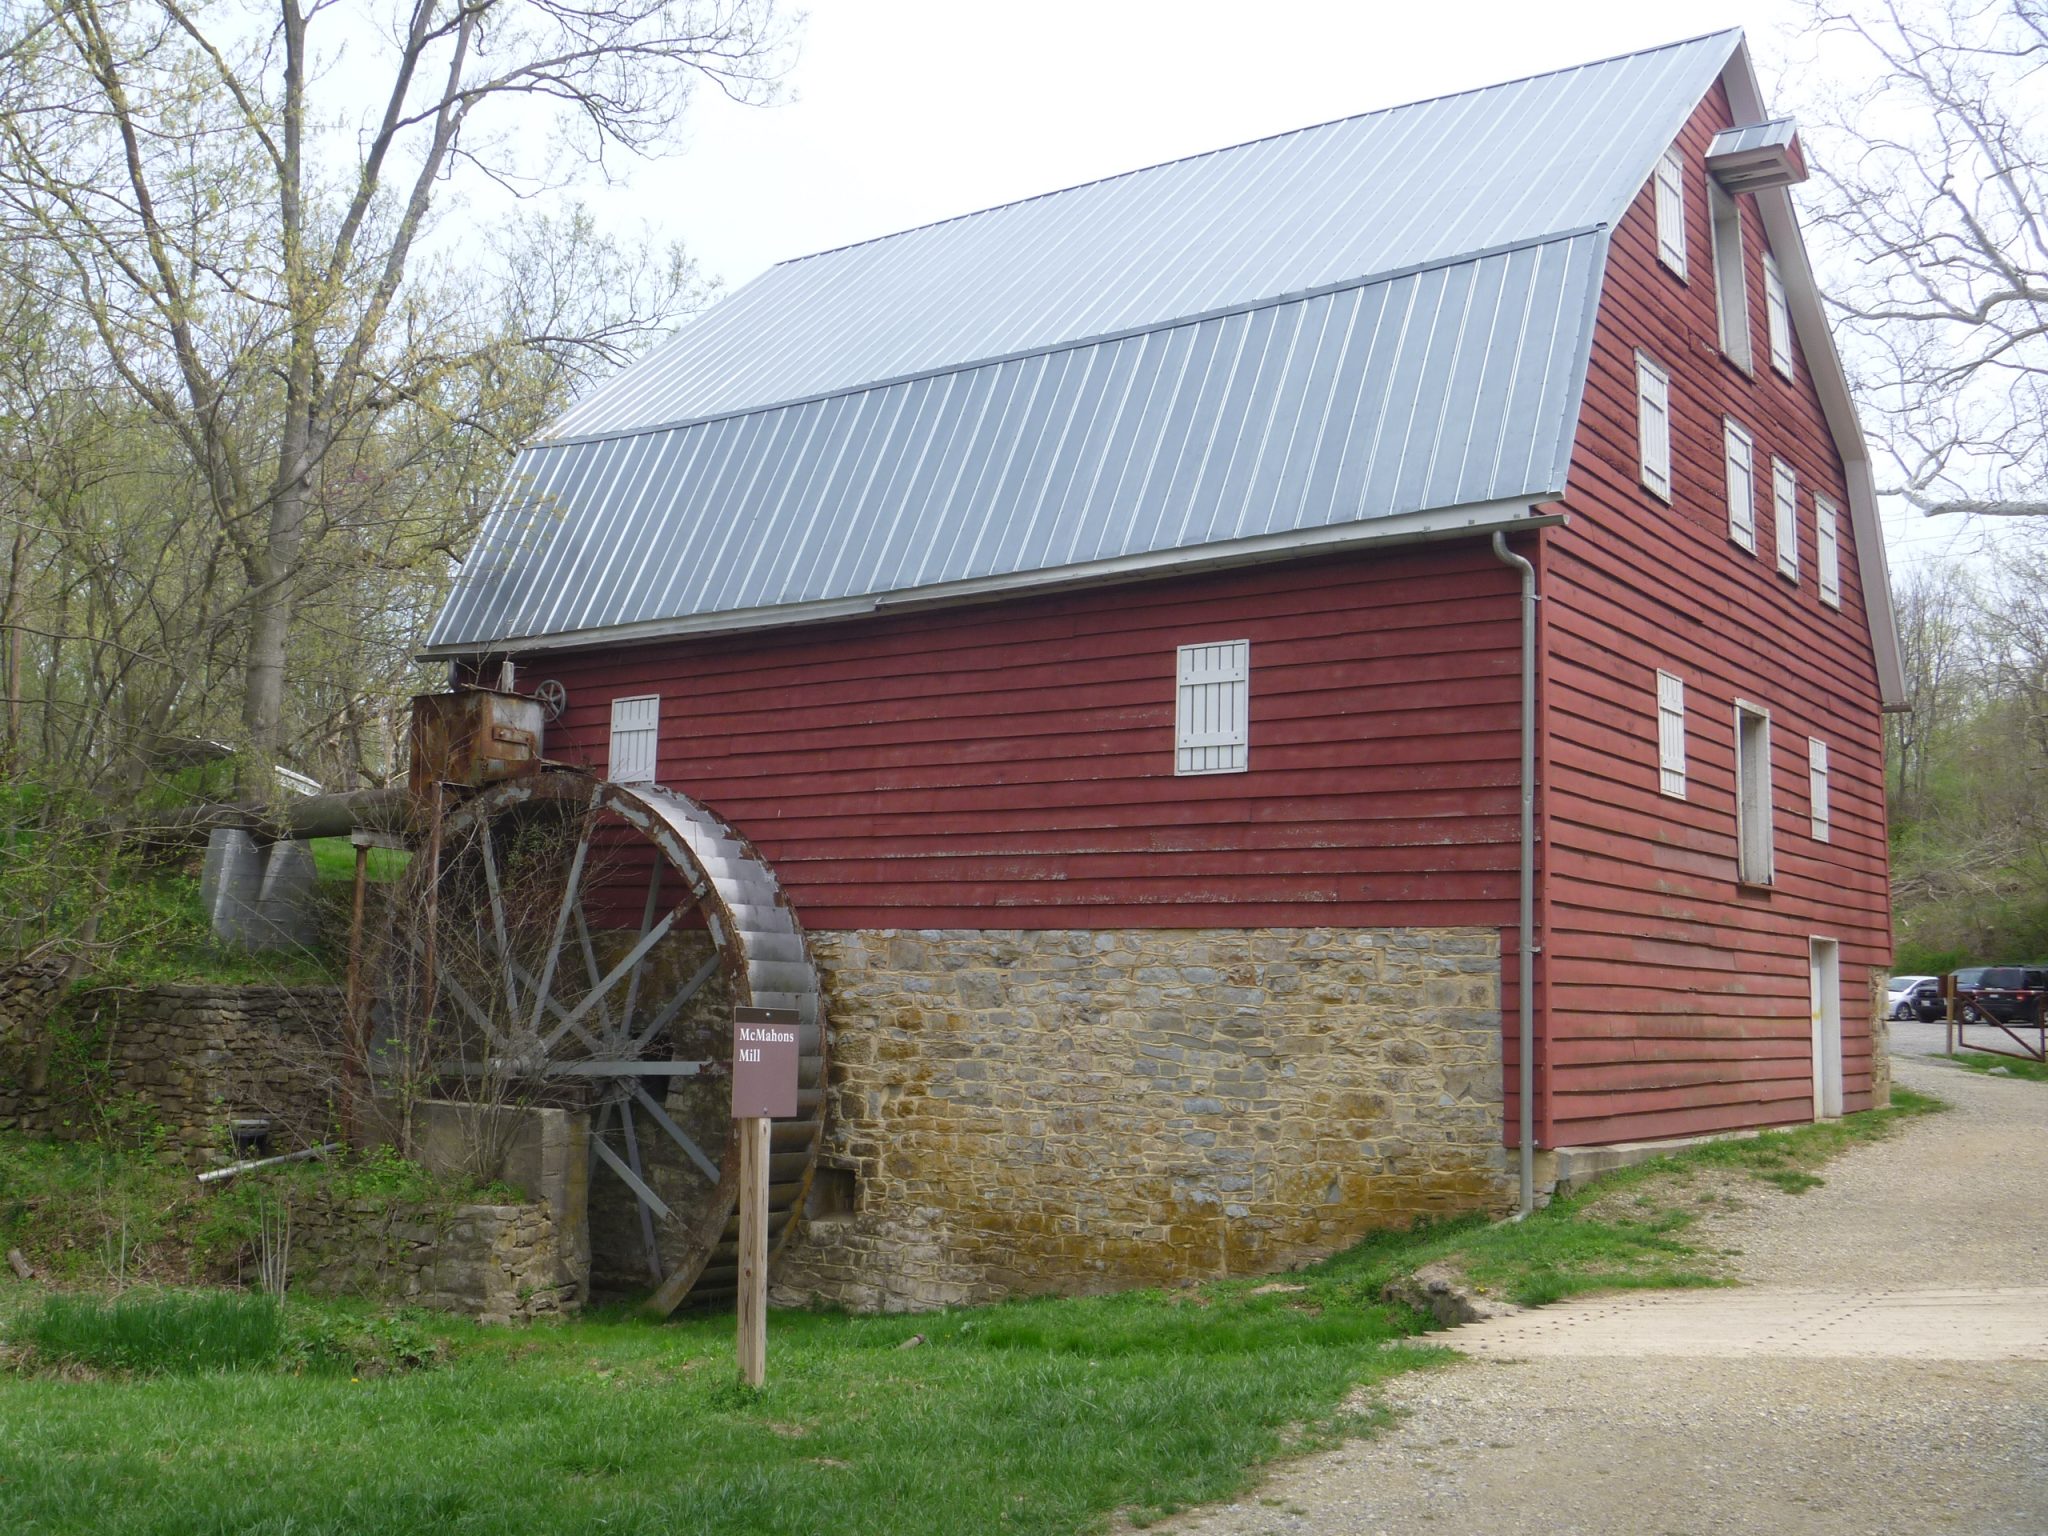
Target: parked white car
1898,1000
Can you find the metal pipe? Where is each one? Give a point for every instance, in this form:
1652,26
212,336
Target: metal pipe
215,1175
1526,990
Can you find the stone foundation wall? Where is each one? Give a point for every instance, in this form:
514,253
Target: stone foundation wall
496,1263
182,1061
1021,1112
1880,1041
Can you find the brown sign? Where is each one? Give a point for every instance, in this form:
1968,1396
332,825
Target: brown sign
764,1063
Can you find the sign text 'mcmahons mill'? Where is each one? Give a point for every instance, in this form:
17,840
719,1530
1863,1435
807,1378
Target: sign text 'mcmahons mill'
762,1034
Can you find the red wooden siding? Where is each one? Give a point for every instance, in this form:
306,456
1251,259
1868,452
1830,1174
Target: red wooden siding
1011,765
1677,1000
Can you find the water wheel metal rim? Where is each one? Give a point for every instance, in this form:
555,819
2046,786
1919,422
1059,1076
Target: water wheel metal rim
759,945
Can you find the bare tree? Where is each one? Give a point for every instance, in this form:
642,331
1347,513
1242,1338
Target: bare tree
1933,161
239,203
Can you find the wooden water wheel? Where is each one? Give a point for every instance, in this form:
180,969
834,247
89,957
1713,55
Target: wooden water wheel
571,942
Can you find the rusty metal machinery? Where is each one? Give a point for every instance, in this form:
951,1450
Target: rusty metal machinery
565,941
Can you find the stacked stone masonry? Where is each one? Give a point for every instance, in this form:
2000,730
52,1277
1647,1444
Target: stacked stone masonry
496,1263
1025,1112
184,1061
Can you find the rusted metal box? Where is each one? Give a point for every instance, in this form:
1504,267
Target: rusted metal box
473,737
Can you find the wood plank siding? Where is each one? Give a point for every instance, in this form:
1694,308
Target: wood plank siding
1677,998
1011,765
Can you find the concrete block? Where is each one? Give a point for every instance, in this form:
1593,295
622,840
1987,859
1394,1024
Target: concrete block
543,1153
231,885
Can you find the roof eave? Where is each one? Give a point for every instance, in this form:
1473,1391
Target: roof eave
1831,383
1383,532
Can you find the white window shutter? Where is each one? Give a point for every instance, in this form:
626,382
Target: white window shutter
636,728
1777,317
1212,713
1671,211
1740,455
1671,735
1827,552
1817,782
1785,500
1756,857
1653,425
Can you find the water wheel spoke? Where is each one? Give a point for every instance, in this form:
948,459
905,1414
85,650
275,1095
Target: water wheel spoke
675,1006
604,1012
619,1068
477,1015
646,1216
598,1122
590,999
498,930
676,1133
572,890
633,1180
647,912
596,1046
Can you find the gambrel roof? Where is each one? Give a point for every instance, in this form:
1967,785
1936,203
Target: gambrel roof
1373,328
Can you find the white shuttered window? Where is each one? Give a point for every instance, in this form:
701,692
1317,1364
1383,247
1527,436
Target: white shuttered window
1212,716
1671,211
1755,858
1827,552
1777,318
1731,278
1671,735
1653,425
1740,454
1817,783
1785,501
636,724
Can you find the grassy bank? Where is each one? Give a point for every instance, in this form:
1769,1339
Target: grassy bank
91,1217
2009,1066
1045,1416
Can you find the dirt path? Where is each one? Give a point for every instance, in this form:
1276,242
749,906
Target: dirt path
1887,1374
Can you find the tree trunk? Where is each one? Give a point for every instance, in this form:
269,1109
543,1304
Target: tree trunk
274,580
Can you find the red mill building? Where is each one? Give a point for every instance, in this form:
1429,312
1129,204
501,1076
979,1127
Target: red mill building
1105,615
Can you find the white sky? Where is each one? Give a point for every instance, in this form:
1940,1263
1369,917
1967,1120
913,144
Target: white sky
899,112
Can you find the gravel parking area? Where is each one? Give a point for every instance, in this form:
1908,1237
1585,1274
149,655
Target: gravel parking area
1661,1445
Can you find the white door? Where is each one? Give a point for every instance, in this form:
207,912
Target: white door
1825,968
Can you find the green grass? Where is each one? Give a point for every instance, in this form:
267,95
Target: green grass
155,1332
2013,1066
1034,1416
1042,1416
165,937
87,1215
1567,1248
335,858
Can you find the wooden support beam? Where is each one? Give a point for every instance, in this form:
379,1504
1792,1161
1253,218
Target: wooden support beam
753,1278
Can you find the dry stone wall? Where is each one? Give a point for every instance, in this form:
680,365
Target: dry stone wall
496,1263
183,1061
1022,1112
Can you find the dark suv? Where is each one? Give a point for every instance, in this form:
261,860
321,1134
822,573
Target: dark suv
2001,994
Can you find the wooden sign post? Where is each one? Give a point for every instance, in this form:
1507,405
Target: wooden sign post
764,1052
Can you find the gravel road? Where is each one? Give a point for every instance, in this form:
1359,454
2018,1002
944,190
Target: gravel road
1612,1445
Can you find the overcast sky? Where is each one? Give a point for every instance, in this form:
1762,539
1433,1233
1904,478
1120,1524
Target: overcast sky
898,112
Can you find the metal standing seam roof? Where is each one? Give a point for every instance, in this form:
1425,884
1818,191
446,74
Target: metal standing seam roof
1338,326
1778,133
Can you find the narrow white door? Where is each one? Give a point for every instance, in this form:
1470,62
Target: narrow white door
1825,974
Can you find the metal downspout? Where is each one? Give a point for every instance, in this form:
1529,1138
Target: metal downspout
1526,997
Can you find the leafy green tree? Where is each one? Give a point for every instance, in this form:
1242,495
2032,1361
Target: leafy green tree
253,212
